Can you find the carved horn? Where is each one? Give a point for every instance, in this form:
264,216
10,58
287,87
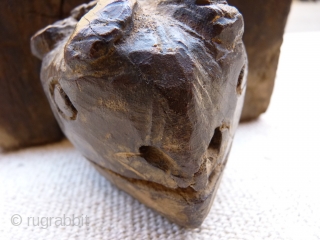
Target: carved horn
97,31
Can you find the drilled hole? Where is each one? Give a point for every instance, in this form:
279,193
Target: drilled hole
216,141
203,2
240,81
144,149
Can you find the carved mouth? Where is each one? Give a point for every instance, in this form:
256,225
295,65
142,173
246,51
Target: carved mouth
183,206
189,194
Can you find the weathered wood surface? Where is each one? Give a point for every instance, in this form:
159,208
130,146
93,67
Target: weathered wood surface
151,93
265,22
25,116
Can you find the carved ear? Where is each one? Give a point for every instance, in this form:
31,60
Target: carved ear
46,39
78,12
213,20
98,31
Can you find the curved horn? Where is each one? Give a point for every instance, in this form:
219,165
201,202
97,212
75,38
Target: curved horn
97,31
213,22
46,39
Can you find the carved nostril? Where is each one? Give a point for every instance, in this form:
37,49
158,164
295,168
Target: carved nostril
215,143
240,81
203,2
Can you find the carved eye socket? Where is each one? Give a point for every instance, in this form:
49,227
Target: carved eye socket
98,49
240,81
62,102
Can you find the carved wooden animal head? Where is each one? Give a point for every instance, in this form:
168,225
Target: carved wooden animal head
151,93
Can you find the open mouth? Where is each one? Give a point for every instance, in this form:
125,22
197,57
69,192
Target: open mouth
184,206
188,191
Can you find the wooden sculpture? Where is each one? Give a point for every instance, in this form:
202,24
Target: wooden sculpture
150,92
